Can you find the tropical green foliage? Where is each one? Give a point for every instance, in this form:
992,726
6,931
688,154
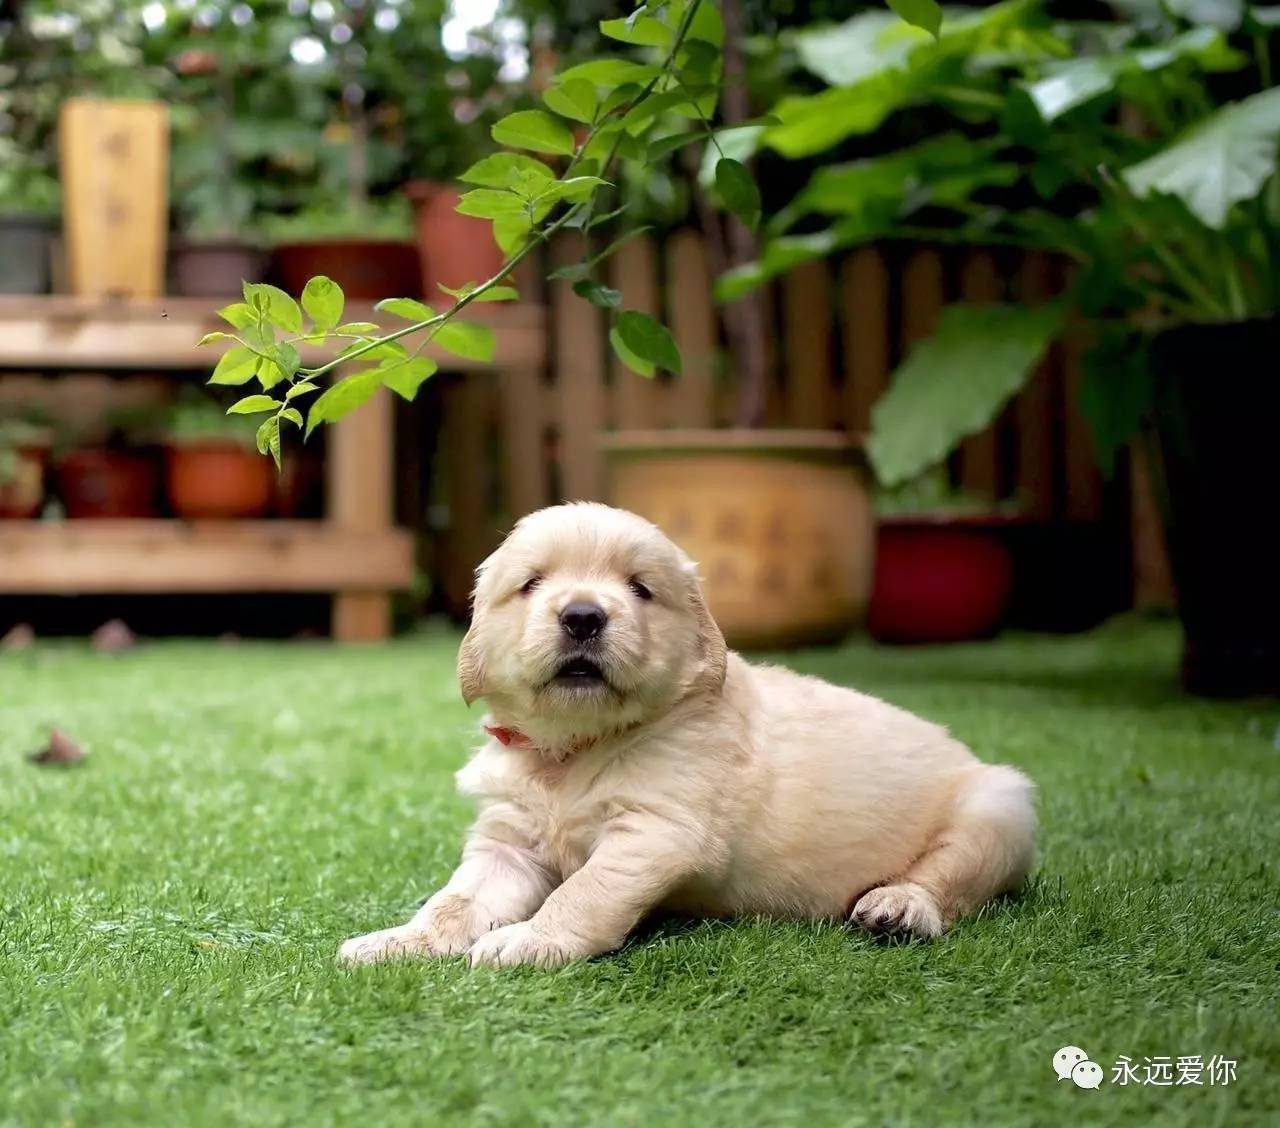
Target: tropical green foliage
1142,149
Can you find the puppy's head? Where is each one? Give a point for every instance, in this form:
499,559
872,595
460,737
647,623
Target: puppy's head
588,618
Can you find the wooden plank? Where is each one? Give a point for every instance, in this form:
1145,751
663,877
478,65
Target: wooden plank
51,332
361,617
637,401
579,390
693,322
979,458
1153,588
806,319
465,435
1083,485
42,557
524,429
114,168
864,306
922,296
1033,411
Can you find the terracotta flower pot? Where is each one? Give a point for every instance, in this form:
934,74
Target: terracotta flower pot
22,481
1216,402
779,522
213,268
217,479
454,248
366,269
940,578
108,483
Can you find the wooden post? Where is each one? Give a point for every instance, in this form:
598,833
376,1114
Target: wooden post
580,407
979,464
806,305
634,270
358,479
864,305
1034,486
693,322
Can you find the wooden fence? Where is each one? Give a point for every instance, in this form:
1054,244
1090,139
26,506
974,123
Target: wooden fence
835,332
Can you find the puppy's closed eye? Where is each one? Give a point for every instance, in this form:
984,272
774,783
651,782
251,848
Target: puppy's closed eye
530,584
639,589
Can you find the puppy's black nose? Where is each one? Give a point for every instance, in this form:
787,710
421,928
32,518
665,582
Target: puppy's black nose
582,621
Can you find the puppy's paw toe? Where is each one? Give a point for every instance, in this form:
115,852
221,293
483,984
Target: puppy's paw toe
899,910
389,944
518,944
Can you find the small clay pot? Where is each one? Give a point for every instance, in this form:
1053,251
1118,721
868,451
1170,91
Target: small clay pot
454,248
22,482
26,249
213,268
100,483
217,480
366,269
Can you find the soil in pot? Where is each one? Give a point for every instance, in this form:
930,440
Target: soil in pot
26,248
213,268
779,522
940,578
22,470
1216,403
454,248
217,479
368,269
99,483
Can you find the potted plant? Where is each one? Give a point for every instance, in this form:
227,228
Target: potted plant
25,442
115,474
28,222
1144,150
212,470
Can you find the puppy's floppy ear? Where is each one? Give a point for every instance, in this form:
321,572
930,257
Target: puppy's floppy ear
712,652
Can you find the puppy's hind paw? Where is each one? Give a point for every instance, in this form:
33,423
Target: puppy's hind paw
899,910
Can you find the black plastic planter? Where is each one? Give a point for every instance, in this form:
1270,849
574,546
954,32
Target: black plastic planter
1217,399
26,244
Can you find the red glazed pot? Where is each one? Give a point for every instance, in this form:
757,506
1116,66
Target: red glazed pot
108,483
454,248
217,480
366,269
940,579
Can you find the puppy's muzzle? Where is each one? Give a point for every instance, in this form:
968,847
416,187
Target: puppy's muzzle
583,621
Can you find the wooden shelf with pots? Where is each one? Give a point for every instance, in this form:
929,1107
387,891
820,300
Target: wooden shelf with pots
356,553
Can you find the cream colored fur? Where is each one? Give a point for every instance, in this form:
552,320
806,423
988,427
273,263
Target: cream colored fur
695,781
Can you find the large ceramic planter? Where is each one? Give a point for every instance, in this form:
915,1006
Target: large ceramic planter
213,268
101,483
1217,400
454,248
22,472
26,248
779,522
366,269
940,578
216,479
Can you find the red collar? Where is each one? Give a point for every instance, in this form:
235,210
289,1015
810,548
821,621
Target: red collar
514,738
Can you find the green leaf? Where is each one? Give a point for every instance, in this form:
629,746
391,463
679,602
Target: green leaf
344,397
209,338
954,383
236,366
323,300
575,99
358,328
407,376
738,190
1115,394
536,130
251,405
383,350
238,314
269,438
280,309
576,189
642,32
301,388
293,415
491,203
638,365
511,233
862,47
610,72
493,294
925,14
1225,159
498,170
466,339
648,339
598,294
409,308
283,363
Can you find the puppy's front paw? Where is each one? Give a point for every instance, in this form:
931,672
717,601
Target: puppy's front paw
899,910
517,944
388,944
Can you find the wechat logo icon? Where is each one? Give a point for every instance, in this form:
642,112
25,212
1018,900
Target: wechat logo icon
1073,1062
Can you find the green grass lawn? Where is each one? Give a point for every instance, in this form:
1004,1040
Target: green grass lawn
170,909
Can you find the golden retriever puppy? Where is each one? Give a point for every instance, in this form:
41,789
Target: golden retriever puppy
632,763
